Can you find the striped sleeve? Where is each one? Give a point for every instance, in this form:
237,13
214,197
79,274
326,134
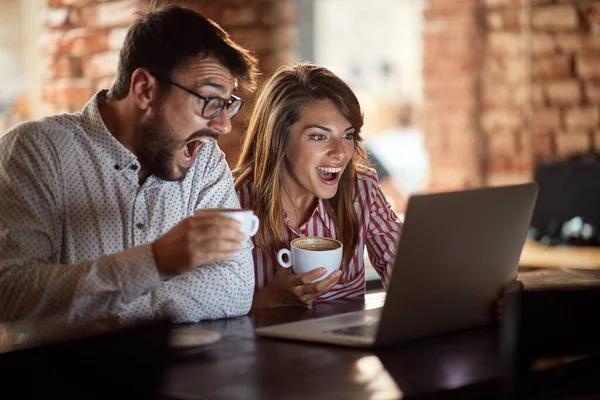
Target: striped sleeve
383,229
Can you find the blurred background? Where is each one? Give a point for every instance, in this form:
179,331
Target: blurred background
456,93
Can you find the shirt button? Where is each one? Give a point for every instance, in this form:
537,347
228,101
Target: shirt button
140,226
117,167
134,167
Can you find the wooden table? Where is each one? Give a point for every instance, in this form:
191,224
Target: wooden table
242,366
536,256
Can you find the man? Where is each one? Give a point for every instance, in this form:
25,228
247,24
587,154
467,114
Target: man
96,207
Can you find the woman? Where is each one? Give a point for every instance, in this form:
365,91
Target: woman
303,171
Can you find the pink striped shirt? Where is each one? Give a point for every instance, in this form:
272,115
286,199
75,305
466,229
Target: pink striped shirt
379,231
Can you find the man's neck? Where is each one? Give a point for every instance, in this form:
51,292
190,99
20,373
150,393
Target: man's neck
118,117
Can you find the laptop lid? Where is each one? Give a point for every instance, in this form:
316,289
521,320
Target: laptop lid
456,253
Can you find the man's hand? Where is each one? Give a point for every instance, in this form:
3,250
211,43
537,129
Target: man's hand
289,289
197,240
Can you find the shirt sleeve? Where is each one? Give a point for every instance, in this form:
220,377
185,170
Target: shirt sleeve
213,290
383,231
33,284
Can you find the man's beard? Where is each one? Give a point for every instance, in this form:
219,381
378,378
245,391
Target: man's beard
158,148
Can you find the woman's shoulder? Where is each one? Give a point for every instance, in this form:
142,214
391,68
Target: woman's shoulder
366,175
244,190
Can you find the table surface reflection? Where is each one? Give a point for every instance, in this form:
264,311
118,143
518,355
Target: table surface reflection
242,366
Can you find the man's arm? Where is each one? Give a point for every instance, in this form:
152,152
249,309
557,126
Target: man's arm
33,283
212,290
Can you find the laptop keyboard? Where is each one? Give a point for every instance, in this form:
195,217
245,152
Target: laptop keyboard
365,330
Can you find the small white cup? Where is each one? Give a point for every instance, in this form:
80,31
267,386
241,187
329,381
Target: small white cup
309,253
249,221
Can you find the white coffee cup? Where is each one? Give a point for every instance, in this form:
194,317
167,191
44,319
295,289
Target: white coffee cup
309,253
249,221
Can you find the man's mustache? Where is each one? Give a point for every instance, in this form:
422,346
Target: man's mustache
203,133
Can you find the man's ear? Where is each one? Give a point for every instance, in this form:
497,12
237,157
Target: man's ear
143,88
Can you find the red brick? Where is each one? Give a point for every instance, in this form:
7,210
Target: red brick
434,50
493,121
582,118
265,64
555,67
508,178
113,14
62,67
543,147
545,120
57,18
69,93
516,71
101,65
286,37
555,18
496,95
72,3
592,14
592,90
497,3
434,9
512,19
588,66
571,143
255,38
286,56
566,92
264,14
504,70
542,44
116,37
51,43
526,94
285,10
570,42
239,16
495,20
82,42
505,44
450,26
502,143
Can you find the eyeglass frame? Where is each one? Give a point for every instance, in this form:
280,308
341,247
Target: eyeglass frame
227,102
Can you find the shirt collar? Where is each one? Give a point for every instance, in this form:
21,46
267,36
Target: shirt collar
115,156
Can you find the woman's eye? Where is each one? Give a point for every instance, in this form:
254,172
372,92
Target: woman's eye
317,138
349,136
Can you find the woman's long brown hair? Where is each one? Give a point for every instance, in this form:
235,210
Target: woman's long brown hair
266,144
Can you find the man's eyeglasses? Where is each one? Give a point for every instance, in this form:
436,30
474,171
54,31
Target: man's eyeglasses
212,106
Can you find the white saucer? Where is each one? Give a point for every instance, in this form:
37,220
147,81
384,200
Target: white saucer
186,338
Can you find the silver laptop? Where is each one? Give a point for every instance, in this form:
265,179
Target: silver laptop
456,253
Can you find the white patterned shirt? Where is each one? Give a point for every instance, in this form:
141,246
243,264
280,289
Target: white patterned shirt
76,228
379,232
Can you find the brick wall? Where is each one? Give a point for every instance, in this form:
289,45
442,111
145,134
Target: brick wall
83,40
509,84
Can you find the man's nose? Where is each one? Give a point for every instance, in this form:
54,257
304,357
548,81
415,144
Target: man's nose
221,123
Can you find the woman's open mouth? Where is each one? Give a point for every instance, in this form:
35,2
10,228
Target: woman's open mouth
329,175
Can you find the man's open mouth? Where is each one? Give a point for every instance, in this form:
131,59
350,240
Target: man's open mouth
191,148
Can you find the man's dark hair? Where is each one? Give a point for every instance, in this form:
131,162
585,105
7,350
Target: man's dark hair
165,40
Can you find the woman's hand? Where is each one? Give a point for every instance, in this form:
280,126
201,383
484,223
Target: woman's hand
289,289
